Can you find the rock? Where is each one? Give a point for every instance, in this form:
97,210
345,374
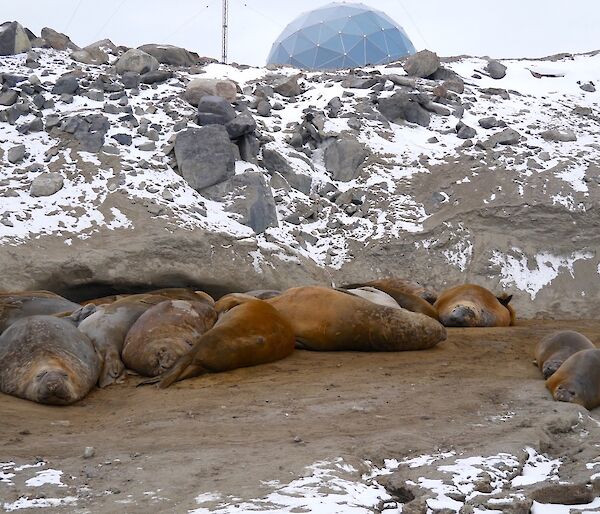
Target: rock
565,494
334,106
105,45
66,84
46,184
16,154
455,84
489,122
277,163
130,79
344,158
507,137
123,139
90,141
89,452
464,131
172,55
263,108
422,64
8,97
199,88
404,106
288,86
495,69
94,57
13,39
156,76
249,148
137,61
354,82
214,110
557,135
205,156
57,40
588,87
242,124
251,197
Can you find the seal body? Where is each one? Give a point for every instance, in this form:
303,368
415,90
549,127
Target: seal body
15,306
557,347
263,294
578,379
47,360
471,305
393,285
248,332
373,295
164,333
327,319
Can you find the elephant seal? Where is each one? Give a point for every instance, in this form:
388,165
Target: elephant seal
373,295
328,320
263,294
557,347
578,379
164,333
182,293
15,306
47,360
393,285
248,332
470,305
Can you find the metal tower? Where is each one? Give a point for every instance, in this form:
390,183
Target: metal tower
225,25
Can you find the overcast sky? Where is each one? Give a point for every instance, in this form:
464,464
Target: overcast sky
506,28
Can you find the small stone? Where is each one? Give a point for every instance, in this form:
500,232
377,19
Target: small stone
46,184
16,154
89,452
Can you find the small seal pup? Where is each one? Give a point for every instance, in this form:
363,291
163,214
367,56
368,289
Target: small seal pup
248,332
328,320
164,333
578,379
47,360
556,348
470,305
17,305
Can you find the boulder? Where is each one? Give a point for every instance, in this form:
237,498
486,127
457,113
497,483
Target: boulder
9,97
46,184
66,84
57,40
93,56
105,45
205,156
288,86
464,131
137,61
16,154
242,124
250,196
168,54
422,64
277,163
214,110
344,158
13,39
561,136
156,76
404,106
496,69
198,88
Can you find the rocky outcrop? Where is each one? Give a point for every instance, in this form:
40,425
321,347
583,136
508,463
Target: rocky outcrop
199,88
13,39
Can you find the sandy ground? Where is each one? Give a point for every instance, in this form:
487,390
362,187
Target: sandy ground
232,434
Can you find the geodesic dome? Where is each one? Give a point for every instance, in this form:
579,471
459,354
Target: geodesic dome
340,35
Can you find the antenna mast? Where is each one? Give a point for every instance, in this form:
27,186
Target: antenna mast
225,26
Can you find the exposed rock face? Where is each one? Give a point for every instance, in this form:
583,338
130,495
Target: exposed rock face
205,156
344,158
198,88
251,197
422,64
169,54
57,40
13,39
136,61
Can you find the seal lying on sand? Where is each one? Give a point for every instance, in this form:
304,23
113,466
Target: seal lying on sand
329,320
108,326
373,295
578,379
249,332
392,286
164,333
471,305
557,347
47,360
15,306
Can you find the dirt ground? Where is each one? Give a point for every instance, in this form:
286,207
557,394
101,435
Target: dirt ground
156,450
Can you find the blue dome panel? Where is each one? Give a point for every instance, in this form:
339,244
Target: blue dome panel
340,35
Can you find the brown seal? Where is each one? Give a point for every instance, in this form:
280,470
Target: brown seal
471,305
393,285
164,333
557,347
578,379
17,305
263,294
108,326
373,295
249,332
327,319
47,360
